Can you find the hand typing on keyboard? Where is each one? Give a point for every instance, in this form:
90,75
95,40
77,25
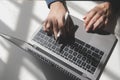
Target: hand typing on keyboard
59,22
56,19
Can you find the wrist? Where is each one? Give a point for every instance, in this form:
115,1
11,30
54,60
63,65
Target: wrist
57,5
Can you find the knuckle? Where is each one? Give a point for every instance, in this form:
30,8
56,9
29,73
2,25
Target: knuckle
102,18
94,20
61,24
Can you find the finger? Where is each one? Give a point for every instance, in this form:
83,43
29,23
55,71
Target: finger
49,25
89,17
106,21
55,28
98,24
85,16
61,26
92,22
44,25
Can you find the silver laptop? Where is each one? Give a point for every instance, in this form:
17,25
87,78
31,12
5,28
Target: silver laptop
82,58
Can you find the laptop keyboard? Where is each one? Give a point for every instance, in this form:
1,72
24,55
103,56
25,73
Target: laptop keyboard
79,53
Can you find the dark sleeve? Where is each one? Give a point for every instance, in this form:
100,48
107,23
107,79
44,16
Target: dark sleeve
115,5
51,1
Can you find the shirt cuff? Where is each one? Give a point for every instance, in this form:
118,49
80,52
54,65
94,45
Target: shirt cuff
49,2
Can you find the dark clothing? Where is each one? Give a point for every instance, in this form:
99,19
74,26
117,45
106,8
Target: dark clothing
51,1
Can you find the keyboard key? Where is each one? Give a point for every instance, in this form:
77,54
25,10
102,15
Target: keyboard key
82,43
62,52
101,53
70,51
88,46
95,63
85,54
79,56
42,36
88,61
92,48
49,45
53,42
83,50
53,47
66,49
79,47
96,55
88,66
97,50
65,54
76,49
93,69
57,49
45,42
74,53
78,61
72,46
83,64
50,40
76,44
46,38
83,58
41,31
74,58
70,56
41,41
89,52
89,56
79,51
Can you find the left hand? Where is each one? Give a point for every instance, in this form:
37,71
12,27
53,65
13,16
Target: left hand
55,20
98,17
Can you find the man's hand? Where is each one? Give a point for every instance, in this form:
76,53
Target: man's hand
98,17
56,18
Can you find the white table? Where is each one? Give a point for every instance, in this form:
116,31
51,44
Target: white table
21,18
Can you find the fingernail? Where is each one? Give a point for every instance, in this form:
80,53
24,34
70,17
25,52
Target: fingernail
55,37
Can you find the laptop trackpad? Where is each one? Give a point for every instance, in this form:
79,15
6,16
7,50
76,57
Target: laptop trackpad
99,39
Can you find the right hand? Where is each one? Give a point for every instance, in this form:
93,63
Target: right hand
98,17
56,18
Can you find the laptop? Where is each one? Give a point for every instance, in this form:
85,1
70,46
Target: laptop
82,58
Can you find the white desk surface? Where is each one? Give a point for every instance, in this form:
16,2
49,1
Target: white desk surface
20,18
